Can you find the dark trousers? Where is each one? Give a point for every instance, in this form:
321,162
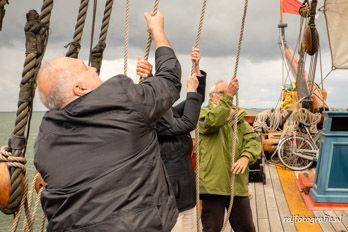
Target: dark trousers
213,213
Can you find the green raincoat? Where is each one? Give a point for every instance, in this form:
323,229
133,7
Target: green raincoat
215,144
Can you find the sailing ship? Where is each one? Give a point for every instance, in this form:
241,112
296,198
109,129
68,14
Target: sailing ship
270,200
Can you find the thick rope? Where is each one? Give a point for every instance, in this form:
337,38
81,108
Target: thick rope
2,11
98,50
75,45
235,118
27,91
149,40
126,37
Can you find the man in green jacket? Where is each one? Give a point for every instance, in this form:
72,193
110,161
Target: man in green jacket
215,144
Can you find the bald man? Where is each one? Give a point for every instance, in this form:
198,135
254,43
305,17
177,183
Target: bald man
97,148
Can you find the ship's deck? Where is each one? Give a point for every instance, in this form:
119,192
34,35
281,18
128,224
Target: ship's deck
276,203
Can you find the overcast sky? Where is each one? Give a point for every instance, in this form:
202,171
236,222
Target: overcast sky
260,69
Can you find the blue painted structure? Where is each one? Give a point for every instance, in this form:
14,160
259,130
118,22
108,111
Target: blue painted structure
331,178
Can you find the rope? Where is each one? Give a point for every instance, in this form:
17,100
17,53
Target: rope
34,55
75,45
304,117
92,31
149,39
199,32
126,38
268,121
98,50
196,45
43,221
235,118
2,11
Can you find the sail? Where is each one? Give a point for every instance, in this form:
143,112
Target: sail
337,26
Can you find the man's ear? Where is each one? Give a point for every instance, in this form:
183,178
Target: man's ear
80,89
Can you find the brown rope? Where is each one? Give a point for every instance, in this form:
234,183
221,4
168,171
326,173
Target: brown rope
196,45
98,50
126,38
149,39
18,140
75,45
235,117
2,11
199,31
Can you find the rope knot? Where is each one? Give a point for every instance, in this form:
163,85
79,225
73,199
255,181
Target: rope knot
12,161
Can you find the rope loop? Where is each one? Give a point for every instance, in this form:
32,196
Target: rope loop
12,161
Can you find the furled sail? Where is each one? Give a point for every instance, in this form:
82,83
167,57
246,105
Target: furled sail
337,26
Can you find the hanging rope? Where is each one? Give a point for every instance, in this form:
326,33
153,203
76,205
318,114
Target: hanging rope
98,50
36,35
196,45
28,224
149,40
92,32
75,45
235,117
199,32
126,38
2,11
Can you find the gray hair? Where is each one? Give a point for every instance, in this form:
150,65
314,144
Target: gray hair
60,87
213,88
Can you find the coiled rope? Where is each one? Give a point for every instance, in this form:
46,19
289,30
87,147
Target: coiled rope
196,45
98,50
75,45
235,116
269,121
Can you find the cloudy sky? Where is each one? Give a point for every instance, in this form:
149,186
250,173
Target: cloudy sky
260,71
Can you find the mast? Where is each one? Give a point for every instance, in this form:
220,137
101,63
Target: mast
304,85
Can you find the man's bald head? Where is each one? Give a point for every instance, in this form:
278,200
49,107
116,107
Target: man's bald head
65,79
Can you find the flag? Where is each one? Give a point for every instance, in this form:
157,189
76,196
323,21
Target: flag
291,6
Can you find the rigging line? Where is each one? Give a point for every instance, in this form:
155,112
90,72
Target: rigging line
313,68
321,69
326,76
92,32
235,116
199,32
126,38
196,45
149,39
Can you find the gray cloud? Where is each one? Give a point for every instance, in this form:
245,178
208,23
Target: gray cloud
260,69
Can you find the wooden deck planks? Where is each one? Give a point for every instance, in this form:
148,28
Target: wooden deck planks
282,204
261,207
263,225
325,226
337,225
272,207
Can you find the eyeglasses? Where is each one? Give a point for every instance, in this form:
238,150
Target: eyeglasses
219,92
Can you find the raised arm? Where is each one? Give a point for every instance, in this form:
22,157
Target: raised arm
173,123
157,94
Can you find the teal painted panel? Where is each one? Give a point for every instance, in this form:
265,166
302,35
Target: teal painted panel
339,167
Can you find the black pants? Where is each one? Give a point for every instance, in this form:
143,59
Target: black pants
213,213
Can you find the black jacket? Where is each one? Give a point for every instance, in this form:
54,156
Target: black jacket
176,145
101,159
